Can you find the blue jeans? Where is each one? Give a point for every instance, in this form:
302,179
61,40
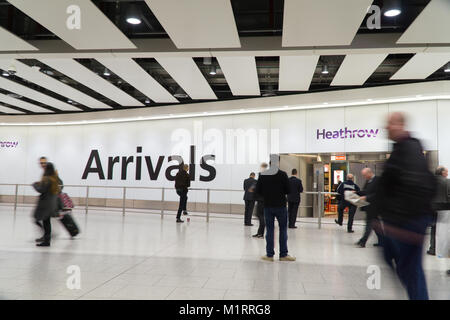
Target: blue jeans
408,259
282,216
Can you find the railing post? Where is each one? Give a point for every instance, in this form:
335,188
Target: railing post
15,198
87,200
207,205
162,203
320,204
123,200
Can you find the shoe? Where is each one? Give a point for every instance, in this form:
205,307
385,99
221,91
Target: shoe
350,231
179,221
261,236
43,244
431,252
266,258
257,235
360,244
294,227
185,213
337,222
287,258
248,225
377,245
41,239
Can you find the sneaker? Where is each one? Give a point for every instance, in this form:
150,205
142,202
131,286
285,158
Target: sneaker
377,244
287,258
43,244
41,239
266,258
294,227
339,223
350,231
248,224
257,235
431,252
360,244
185,213
179,221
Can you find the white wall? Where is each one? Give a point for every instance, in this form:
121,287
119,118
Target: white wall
69,146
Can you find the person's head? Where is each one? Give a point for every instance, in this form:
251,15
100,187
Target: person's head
186,167
396,126
350,177
49,170
367,173
43,162
264,166
442,171
252,175
294,172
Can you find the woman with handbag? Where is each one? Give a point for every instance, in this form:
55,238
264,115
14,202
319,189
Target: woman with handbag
46,207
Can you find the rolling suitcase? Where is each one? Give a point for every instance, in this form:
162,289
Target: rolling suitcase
69,223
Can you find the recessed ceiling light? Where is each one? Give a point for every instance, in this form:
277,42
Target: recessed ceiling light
134,20
447,67
212,70
69,101
392,13
5,74
325,69
147,101
392,8
106,72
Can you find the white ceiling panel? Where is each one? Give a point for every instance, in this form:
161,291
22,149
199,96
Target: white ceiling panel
422,65
241,75
322,22
45,81
197,23
96,30
9,110
296,72
35,95
11,42
130,71
357,68
431,26
83,75
21,104
186,73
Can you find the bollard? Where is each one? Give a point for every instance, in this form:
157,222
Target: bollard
87,200
162,203
15,198
123,200
207,205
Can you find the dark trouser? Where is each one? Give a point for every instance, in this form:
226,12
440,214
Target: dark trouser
47,229
351,213
282,216
260,215
249,205
407,256
292,210
183,201
371,218
433,233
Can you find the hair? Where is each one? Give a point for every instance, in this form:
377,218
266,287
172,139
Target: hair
264,165
185,167
51,176
43,158
440,170
252,174
294,171
350,176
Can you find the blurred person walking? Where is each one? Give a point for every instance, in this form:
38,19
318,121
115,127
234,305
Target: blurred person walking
46,207
347,185
249,198
273,188
260,207
182,183
404,196
296,187
440,203
369,194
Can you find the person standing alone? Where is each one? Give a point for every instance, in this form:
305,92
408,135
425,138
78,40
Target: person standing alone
260,208
182,183
347,185
249,198
296,187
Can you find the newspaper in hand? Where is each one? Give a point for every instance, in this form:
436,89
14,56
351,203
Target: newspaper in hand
354,199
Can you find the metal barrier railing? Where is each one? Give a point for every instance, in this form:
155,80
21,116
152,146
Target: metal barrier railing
320,195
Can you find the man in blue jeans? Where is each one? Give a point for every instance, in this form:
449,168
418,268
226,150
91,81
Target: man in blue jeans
273,188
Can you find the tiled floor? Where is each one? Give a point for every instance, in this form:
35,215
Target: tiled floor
140,256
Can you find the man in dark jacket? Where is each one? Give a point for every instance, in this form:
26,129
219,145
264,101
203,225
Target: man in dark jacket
182,183
260,208
249,198
273,188
347,185
404,196
296,187
369,194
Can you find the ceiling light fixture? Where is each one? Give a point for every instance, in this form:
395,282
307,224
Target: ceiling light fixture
134,20
447,68
324,69
212,70
207,61
134,15
5,73
179,93
106,72
392,8
147,101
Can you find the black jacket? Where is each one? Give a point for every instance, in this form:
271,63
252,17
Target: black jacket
406,187
347,185
249,188
370,192
296,188
441,200
273,189
182,180
47,203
